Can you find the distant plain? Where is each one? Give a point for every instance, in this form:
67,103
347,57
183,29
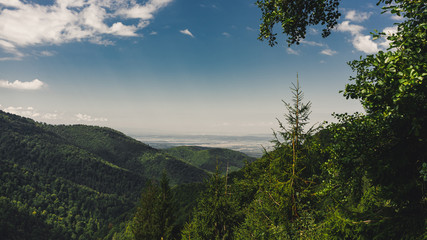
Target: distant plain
252,145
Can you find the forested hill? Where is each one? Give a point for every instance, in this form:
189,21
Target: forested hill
208,158
75,180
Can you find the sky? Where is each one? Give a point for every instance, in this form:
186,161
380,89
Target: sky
173,66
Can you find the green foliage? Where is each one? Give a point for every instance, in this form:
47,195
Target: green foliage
372,184
363,177
208,158
156,212
216,214
360,178
109,144
280,206
295,16
154,164
81,182
186,196
60,207
385,149
392,83
18,223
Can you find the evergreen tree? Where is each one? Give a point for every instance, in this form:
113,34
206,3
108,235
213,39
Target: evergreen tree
279,207
216,214
294,135
167,208
156,212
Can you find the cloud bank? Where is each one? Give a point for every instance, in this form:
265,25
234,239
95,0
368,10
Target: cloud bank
31,112
24,23
25,112
33,85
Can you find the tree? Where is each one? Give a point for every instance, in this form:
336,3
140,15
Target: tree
216,214
391,86
294,134
156,212
167,208
295,16
377,160
280,207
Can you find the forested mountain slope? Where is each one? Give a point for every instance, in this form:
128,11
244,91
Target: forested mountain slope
208,158
128,153
75,181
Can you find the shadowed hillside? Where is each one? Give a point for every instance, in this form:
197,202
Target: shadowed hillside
208,158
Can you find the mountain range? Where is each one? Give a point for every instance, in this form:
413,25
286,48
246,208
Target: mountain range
81,182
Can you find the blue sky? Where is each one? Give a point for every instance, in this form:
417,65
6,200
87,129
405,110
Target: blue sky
172,66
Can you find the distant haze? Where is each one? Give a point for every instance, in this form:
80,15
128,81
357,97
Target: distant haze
250,145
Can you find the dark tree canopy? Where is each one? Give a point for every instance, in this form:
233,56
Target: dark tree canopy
295,16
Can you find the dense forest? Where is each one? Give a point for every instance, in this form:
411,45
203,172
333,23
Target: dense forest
83,182
361,177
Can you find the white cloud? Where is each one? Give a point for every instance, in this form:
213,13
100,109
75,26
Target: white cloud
250,29
365,44
47,53
226,34
186,32
31,112
24,23
312,43
361,42
50,116
396,17
11,3
291,51
33,85
10,49
385,44
352,28
87,118
354,16
328,52
122,30
153,33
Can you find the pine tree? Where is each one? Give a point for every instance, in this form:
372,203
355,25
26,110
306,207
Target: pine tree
156,212
281,205
167,208
294,135
216,213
